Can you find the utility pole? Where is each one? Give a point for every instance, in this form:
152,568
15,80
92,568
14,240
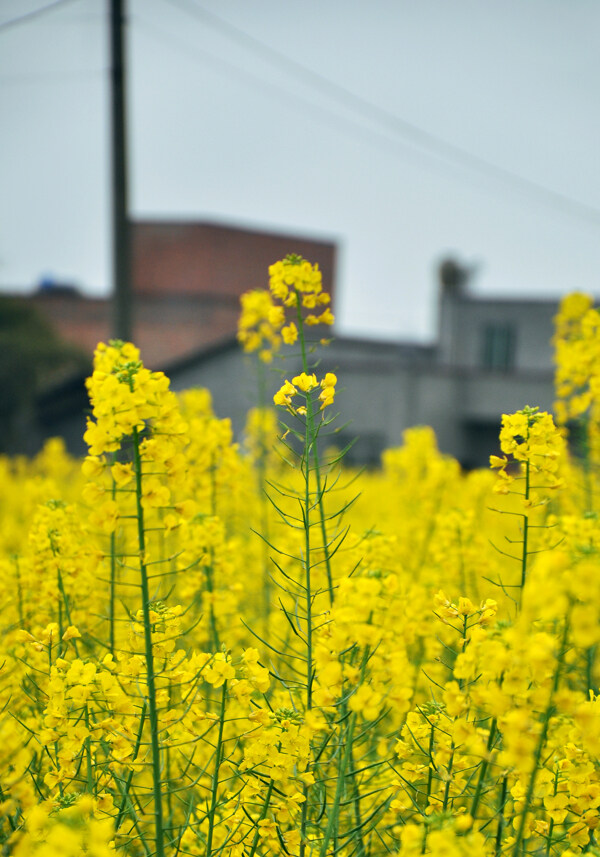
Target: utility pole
121,247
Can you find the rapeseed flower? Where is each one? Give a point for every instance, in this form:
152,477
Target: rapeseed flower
346,717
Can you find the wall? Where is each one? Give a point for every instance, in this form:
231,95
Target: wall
229,375
171,258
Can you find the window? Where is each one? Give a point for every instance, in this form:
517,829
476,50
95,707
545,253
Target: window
498,346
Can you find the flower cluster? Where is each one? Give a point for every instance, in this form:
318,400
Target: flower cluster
529,437
294,283
124,395
295,286
302,385
577,344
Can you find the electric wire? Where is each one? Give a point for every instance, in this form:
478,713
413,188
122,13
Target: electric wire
401,130
35,13
277,91
424,140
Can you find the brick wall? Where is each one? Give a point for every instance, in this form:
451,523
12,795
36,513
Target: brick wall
210,259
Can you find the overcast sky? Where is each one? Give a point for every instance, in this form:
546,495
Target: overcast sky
403,130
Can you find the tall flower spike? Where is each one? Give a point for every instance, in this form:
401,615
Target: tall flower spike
296,283
530,437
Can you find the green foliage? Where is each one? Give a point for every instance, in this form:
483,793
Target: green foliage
32,357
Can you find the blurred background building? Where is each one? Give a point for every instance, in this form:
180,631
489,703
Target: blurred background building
491,355
187,279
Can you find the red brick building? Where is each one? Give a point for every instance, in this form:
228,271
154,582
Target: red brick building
187,280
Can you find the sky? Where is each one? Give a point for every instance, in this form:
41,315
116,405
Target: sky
405,132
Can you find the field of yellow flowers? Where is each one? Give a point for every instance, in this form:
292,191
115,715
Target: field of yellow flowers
204,651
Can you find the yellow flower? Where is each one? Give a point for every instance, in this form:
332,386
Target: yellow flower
92,467
122,473
71,634
154,493
305,382
284,395
219,671
289,333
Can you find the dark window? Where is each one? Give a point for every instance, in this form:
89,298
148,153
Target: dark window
480,438
498,346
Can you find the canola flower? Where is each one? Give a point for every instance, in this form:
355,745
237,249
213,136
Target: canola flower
260,325
424,681
577,385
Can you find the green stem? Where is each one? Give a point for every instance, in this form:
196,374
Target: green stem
525,533
210,588
483,770
308,441
61,601
113,578
215,779
136,749
448,780
317,468
134,818
430,755
88,754
500,828
152,706
551,825
307,567
590,656
263,814
315,451
429,784
333,822
358,822
308,592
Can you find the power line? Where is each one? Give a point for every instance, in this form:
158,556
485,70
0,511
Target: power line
367,133
424,141
348,124
30,16
273,90
430,143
